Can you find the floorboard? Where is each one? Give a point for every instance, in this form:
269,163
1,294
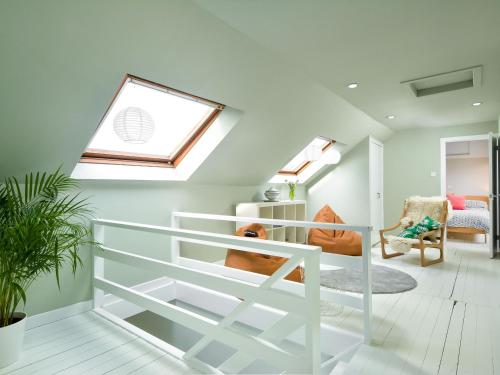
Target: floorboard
449,324
87,344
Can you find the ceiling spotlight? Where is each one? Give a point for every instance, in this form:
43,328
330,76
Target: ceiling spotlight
390,117
352,85
477,104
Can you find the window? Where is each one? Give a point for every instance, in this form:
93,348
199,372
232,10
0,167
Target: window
148,124
305,157
318,153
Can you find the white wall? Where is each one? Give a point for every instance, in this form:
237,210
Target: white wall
345,187
467,176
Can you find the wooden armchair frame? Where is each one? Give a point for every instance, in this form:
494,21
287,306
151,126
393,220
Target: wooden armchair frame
421,245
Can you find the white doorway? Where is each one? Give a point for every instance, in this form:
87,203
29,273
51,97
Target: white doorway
468,166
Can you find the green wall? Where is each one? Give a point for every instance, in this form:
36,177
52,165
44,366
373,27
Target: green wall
409,158
149,203
62,61
345,187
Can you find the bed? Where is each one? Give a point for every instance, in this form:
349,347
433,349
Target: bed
471,220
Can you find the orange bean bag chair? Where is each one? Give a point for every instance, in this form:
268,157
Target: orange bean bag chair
257,262
344,242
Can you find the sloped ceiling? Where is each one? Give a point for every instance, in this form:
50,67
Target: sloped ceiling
63,60
380,43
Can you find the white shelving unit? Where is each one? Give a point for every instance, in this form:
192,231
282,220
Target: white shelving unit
287,210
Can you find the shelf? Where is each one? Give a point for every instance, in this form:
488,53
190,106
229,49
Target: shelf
300,235
290,235
279,234
282,210
279,212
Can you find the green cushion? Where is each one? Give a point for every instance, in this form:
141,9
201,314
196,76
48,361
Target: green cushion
426,225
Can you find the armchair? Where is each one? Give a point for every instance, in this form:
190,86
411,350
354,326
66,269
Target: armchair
415,209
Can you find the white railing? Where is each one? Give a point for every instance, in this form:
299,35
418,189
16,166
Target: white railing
361,302
298,307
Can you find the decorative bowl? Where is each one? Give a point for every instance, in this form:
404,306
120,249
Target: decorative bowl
272,194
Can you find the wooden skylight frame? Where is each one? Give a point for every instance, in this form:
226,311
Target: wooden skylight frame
304,165
100,156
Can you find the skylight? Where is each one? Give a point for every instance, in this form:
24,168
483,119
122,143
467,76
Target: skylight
148,124
306,156
317,153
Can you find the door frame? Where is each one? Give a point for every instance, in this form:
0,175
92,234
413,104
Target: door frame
443,142
371,189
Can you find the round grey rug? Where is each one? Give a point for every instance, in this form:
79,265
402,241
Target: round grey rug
384,280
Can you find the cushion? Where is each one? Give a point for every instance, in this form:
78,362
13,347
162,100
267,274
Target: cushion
426,225
475,204
334,241
457,201
257,262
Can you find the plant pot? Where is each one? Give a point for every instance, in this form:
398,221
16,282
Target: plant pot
11,340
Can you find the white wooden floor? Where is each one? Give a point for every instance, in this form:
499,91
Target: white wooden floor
89,344
449,324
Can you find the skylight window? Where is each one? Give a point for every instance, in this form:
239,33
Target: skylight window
318,153
310,153
148,124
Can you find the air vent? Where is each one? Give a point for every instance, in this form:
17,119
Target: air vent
444,82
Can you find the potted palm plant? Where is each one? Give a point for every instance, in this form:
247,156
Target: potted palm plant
42,225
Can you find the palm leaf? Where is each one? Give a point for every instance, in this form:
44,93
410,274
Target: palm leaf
41,228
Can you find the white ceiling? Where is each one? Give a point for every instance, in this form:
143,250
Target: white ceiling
379,44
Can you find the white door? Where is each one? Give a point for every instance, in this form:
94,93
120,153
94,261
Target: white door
376,187
494,195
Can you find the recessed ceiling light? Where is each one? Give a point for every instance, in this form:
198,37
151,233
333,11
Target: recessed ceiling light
390,117
477,104
352,85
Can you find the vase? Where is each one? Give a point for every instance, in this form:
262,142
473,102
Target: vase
291,194
11,340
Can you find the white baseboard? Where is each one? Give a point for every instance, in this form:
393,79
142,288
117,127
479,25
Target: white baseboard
58,314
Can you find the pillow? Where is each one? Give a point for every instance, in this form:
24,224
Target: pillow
426,225
475,204
457,201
